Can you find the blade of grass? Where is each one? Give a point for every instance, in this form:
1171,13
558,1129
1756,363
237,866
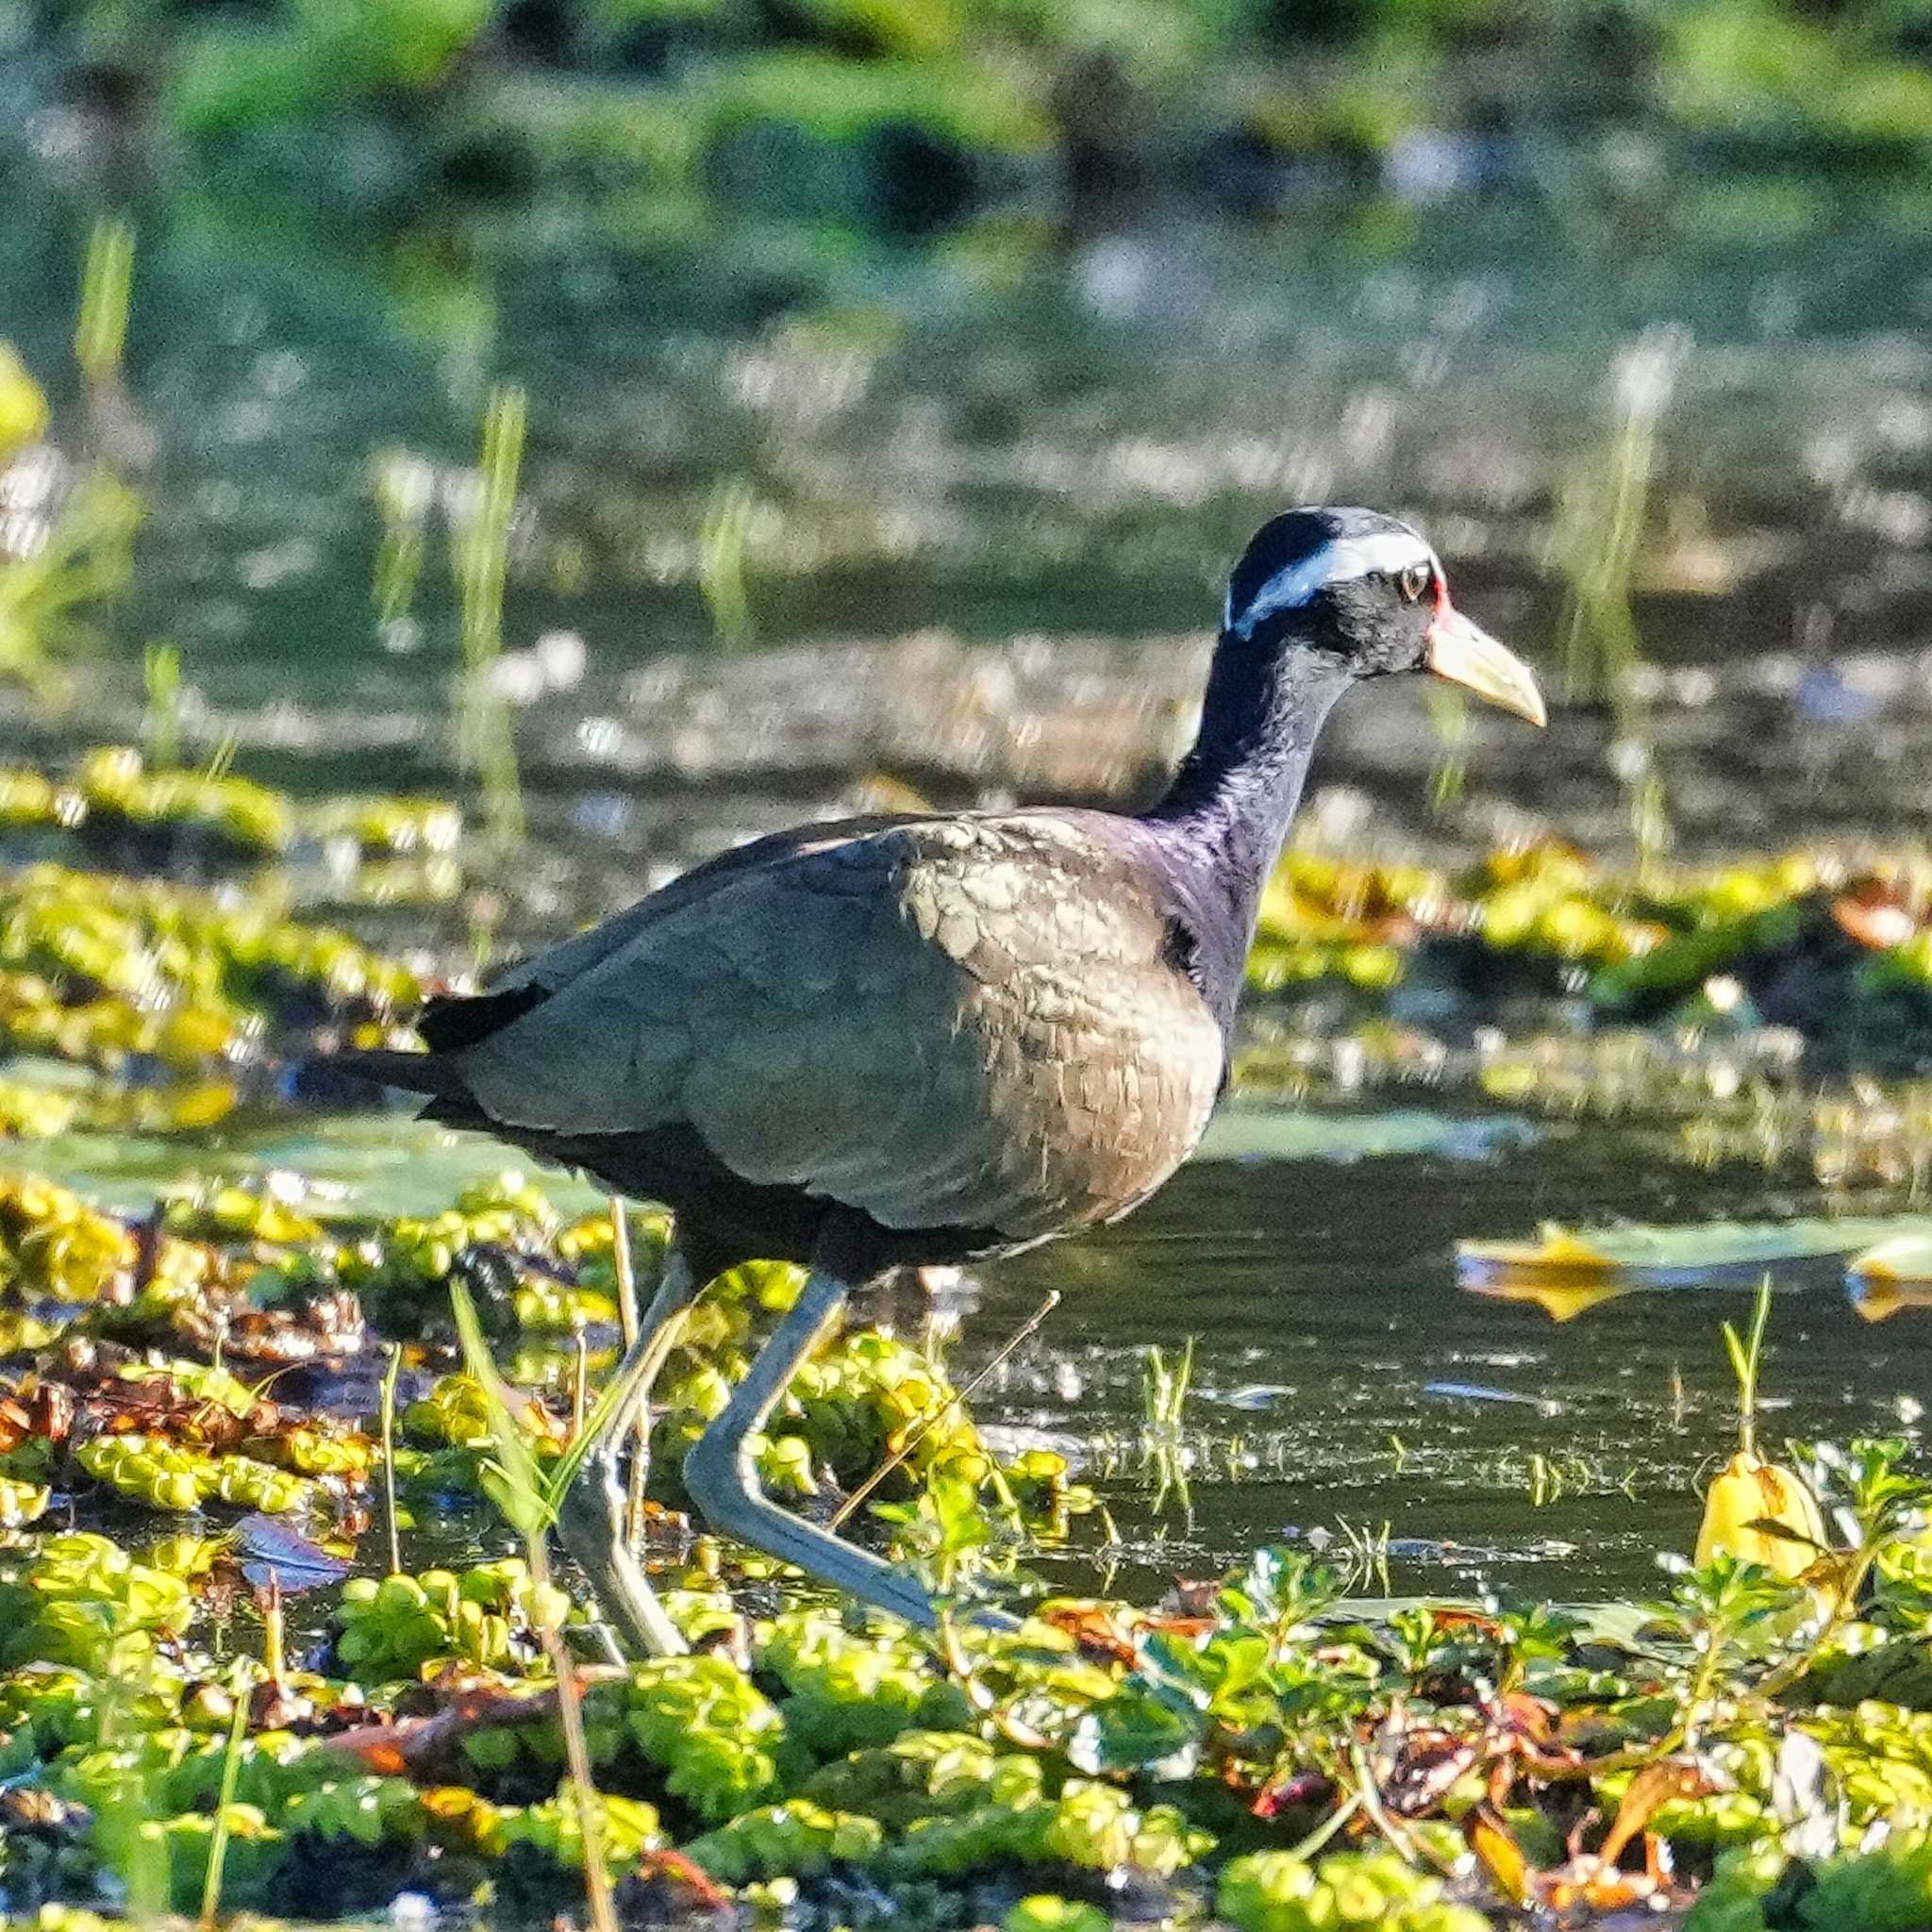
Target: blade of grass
1746,1358
511,1477
100,332
481,558
527,1503
231,1774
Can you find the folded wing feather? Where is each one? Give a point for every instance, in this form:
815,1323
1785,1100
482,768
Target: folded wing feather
943,1022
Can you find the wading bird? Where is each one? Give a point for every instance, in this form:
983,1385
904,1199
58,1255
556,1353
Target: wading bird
929,1039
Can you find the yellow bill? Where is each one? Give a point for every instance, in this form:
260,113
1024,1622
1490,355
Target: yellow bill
1467,655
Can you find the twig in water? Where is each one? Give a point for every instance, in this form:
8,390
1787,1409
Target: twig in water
626,1268
1370,1793
1328,1827
388,1455
916,1430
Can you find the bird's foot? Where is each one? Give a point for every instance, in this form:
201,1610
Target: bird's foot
718,1475
591,1520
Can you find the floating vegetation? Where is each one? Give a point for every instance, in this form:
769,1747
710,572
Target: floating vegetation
115,807
1262,1749
1542,980
1258,1748
175,997
181,1387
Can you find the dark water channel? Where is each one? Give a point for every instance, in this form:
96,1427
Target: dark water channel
1333,1342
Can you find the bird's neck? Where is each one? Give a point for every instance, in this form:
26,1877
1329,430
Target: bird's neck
1224,819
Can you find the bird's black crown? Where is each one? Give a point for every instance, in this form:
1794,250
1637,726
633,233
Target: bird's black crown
1353,581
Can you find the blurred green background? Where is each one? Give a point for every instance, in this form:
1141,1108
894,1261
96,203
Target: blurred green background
891,327
910,117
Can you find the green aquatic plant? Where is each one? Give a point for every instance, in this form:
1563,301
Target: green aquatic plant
1279,1892
386,1415
480,557
490,1616
795,1839
1164,1389
721,565
49,598
1755,1509
718,1740
161,717
233,78
520,1493
106,283
224,1800
1601,530
849,1693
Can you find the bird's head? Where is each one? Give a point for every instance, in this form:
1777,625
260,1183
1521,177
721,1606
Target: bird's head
1367,588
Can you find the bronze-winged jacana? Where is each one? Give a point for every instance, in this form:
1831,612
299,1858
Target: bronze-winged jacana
924,1039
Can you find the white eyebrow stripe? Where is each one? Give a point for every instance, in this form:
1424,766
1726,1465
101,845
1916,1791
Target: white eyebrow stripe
1387,551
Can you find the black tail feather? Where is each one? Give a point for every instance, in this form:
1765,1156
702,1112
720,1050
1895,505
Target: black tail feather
459,1019
413,1073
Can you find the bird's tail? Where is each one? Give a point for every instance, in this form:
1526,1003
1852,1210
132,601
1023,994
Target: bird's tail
433,1073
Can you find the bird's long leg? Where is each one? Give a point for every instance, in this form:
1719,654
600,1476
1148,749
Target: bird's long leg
724,1485
592,1515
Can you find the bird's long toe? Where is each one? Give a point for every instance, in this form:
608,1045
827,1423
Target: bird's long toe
718,1476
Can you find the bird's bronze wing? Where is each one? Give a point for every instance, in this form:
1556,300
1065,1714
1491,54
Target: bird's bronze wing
968,1022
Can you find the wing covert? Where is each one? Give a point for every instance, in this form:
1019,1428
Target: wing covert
942,1023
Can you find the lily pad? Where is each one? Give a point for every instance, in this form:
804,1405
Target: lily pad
1254,1132
1662,1257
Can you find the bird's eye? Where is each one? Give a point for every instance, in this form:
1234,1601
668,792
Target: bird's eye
1415,580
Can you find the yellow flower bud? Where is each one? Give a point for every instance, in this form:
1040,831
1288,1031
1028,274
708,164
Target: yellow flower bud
1748,1490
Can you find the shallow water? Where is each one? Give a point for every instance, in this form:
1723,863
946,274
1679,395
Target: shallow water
1042,472
1333,1345
1347,1389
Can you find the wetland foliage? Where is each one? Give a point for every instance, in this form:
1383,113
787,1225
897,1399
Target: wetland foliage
266,1644
205,1647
